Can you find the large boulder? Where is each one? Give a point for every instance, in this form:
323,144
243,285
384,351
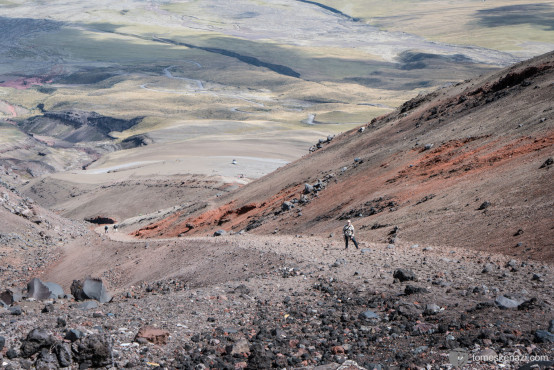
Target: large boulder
35,341
90,289
92,351
56,291
38,289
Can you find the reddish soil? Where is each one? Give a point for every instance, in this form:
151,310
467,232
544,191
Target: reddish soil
12,111
23,83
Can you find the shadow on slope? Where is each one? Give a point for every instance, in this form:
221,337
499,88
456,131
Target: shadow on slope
532,14
77,126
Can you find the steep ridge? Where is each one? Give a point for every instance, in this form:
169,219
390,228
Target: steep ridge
465,166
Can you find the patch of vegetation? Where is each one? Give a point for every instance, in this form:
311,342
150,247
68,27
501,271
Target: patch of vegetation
10,134
498,25
531,14
46,89
84,77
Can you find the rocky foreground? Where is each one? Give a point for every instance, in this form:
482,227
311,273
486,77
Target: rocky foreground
293,302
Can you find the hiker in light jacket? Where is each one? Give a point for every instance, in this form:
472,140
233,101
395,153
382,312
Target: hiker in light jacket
348,231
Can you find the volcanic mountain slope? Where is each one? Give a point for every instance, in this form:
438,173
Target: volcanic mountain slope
29,235
468,165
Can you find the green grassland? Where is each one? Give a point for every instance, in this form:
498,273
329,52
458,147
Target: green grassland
10,135
131,82
499,25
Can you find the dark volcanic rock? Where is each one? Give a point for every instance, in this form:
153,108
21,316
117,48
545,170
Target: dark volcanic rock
543,336
530,304
2,342
11,354
404,275
484,205
46,360
60,322
547,163
35,341
409,310
37,290
6,297
92,351
15,310
48,308
431,309
489,267
411,289
90,289
241,289
56,291
220,232
73,335
63,354
287,205
482,306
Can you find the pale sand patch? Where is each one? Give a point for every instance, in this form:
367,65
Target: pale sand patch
254,155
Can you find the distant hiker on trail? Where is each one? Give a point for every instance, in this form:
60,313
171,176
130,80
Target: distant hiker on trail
115,227
348,231
106,229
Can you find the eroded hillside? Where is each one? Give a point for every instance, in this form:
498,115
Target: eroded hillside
467,165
